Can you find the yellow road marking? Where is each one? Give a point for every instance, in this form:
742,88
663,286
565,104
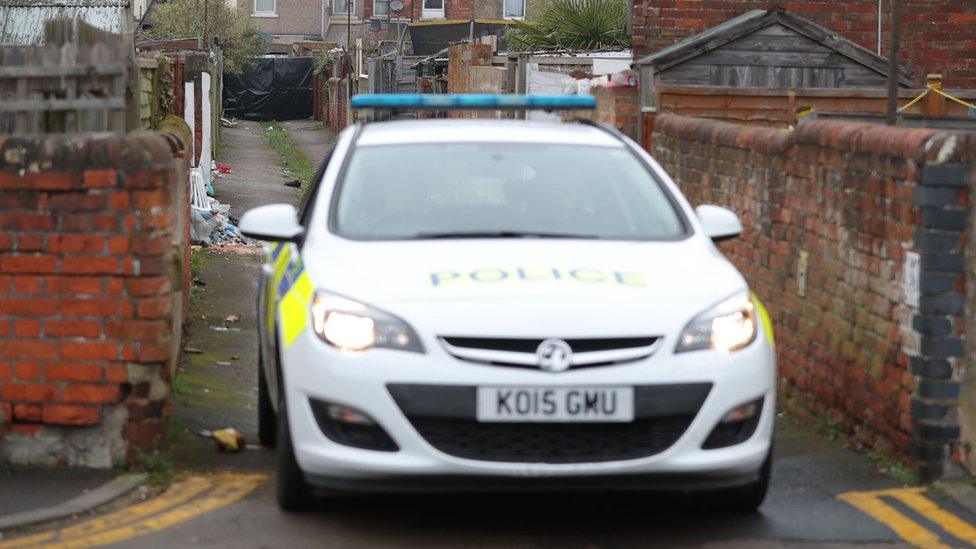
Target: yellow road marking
913,498
142,519
906,528
174,495
227,492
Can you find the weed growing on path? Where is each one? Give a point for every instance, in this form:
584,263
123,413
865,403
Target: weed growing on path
158,465
291,156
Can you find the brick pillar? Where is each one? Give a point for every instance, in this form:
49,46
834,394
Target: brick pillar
92,240
942,196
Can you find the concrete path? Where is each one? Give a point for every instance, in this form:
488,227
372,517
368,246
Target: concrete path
47,486
217,385
255,177
312,136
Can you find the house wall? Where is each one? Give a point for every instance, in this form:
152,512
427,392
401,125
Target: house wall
938,36
855,240
294,17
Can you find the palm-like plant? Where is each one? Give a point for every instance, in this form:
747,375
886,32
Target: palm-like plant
585,25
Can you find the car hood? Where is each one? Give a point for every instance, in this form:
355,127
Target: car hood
530,286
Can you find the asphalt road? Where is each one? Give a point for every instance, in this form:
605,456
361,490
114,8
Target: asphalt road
801,510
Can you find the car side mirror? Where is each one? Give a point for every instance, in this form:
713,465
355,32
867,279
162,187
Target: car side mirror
719,223
273,222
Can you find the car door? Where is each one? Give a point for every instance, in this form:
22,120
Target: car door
281,255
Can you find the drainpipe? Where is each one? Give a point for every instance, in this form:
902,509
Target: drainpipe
891,117
879,26
322,25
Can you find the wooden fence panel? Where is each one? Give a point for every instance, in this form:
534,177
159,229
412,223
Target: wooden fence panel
66,88
778,107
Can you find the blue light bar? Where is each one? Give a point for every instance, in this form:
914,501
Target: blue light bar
465,101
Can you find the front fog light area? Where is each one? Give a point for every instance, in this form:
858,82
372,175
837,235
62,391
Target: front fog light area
726,327
736,426
351,427
354,327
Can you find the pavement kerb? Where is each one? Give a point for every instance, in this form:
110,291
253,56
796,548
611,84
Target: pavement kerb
111,490
961,491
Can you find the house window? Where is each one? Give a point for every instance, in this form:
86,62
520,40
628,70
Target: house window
265,6
381,8
340,7
514,9
433,9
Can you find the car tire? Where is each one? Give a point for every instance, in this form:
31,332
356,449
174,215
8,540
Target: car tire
267,419
748,498
292,490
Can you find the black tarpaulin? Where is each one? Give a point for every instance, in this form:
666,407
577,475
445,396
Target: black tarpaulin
430,38
279,88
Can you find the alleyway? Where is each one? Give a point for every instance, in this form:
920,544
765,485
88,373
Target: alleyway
216,388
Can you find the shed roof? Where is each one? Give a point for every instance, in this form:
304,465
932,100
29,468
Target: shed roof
22,21
754,20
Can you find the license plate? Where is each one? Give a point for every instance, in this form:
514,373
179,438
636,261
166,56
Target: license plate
555,404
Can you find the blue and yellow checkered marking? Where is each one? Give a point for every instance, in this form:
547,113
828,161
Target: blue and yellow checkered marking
765,321
293,291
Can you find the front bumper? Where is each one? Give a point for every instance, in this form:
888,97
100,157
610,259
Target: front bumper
314,370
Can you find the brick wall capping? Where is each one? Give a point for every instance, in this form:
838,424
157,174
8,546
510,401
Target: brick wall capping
176,131
722,133
949,148
858,137
854,137
35,154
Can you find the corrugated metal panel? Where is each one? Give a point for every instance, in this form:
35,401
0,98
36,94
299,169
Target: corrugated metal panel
22,21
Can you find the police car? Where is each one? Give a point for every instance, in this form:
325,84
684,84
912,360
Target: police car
464,304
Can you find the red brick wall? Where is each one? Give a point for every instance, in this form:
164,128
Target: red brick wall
458,9
338,93
617,107
939,36
92,241
855,198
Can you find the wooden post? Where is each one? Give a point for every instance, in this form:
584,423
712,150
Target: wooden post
892,110
935,105
791,107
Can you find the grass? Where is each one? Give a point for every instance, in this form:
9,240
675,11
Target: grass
894,467
179,384
831,430
174,432
156,464
291,156
884,462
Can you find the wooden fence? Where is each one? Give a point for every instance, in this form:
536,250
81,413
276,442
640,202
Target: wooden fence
66,88
778,108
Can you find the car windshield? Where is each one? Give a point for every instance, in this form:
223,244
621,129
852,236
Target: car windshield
501,190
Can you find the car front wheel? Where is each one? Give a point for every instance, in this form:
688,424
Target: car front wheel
267,420
293,491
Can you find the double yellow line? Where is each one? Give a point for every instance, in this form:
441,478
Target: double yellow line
182,501
873,503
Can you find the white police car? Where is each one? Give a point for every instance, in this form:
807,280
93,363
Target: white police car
501,304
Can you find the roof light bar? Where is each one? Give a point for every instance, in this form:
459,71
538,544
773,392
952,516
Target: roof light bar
465,101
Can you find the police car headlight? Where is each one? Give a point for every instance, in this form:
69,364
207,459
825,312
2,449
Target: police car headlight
353,327
726,327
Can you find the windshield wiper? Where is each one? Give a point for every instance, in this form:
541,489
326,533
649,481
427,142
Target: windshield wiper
501,234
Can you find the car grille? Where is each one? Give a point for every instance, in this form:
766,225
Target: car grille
520,352
552,442
445,416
